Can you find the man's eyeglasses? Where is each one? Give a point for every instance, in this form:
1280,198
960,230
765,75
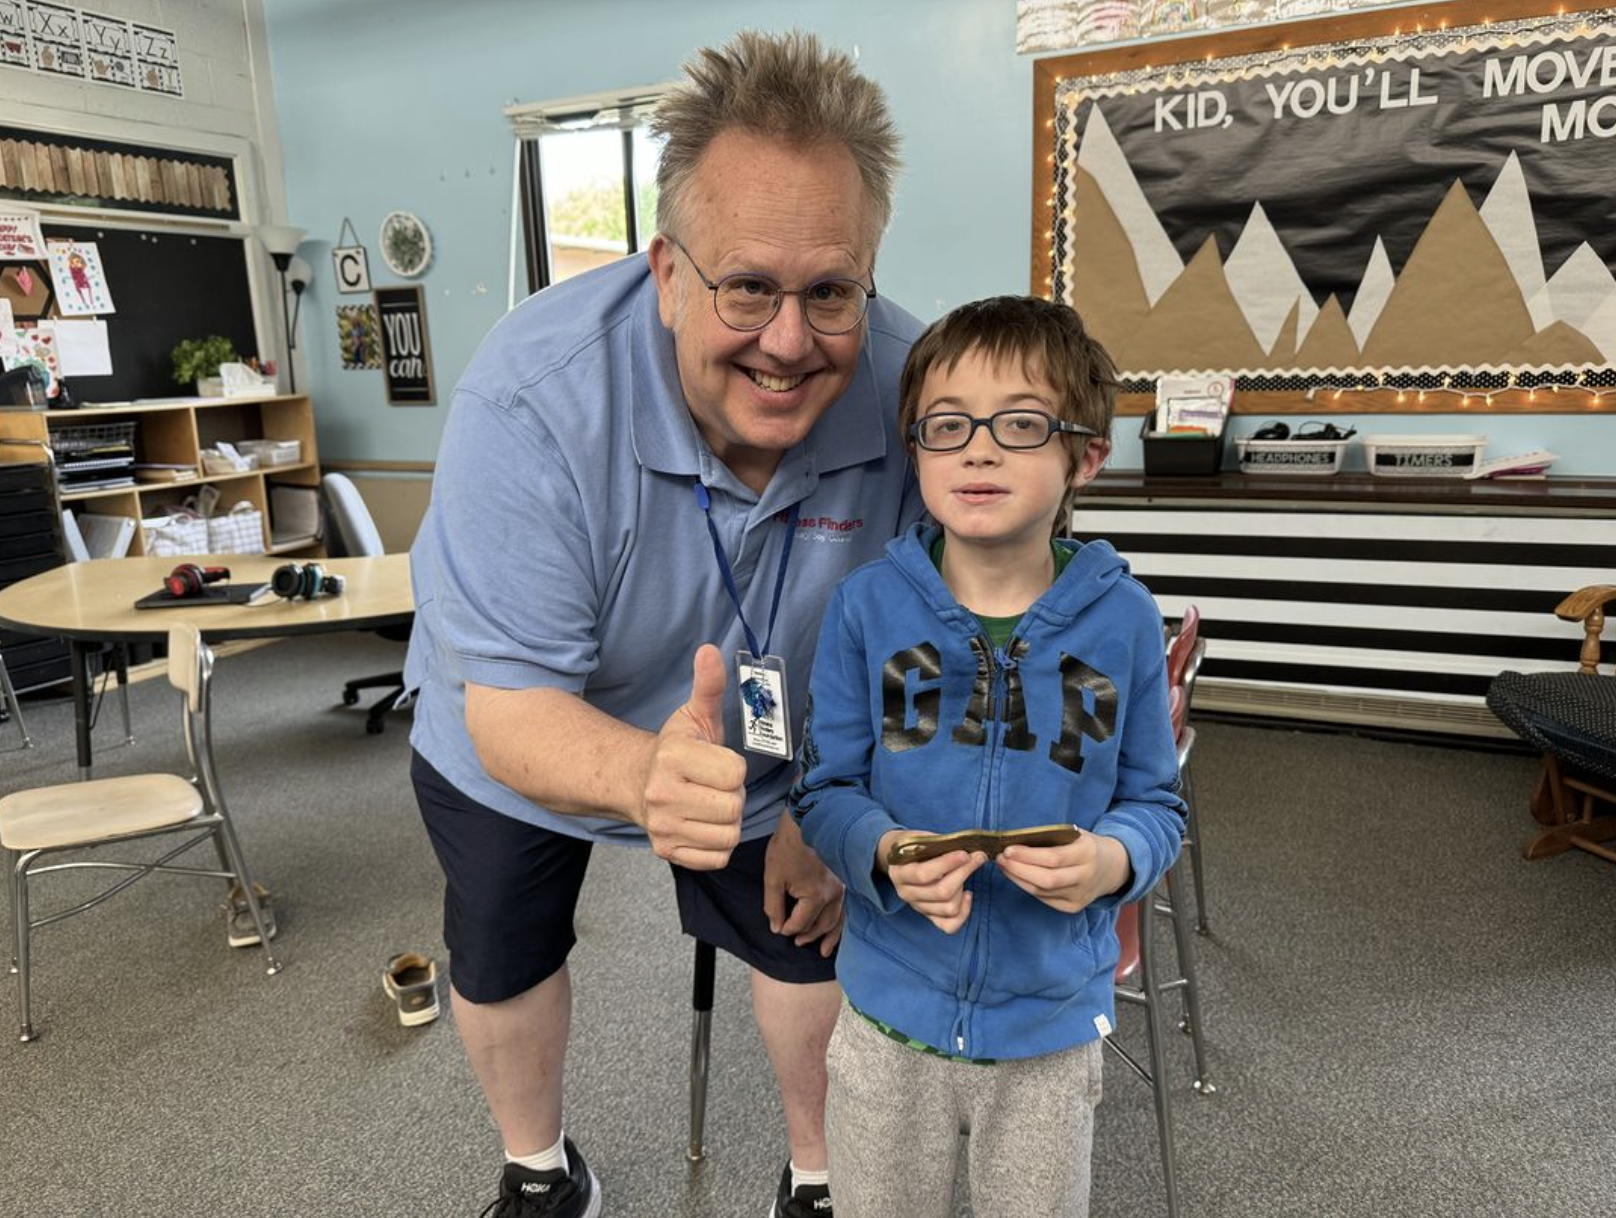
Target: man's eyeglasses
749,301
1014,429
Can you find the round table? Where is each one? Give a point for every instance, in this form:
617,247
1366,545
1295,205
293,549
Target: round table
90,603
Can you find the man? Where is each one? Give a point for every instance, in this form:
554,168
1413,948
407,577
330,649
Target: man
662,455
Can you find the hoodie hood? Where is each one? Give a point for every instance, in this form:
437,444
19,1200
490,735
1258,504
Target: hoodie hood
1094,570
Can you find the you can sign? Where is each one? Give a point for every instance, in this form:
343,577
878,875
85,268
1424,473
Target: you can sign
406,354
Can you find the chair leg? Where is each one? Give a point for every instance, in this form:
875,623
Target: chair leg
1192,840
1158,1056
225,832
1192,990
9,692
376,716
122,653
701,1038
17,872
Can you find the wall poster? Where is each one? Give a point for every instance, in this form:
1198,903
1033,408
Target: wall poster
1424,202
406,354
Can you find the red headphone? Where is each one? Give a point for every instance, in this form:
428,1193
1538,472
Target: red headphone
188,579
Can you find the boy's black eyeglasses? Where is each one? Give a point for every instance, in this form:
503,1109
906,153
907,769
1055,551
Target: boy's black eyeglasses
1014,429
749,301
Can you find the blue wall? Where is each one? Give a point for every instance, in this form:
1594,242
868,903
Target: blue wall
395,104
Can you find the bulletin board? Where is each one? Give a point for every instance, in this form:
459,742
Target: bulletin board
166,286
1416,199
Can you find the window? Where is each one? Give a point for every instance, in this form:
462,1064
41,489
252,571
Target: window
586,182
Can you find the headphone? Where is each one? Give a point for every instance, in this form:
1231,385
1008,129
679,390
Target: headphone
188,579
305,582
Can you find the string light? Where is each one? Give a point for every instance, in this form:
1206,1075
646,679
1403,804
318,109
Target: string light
1472,393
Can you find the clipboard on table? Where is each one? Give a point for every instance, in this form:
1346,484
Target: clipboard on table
223,594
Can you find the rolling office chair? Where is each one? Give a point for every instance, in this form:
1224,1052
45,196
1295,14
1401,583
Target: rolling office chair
115,811
353,534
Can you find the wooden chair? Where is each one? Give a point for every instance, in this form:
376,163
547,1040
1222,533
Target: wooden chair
1571,717
116,811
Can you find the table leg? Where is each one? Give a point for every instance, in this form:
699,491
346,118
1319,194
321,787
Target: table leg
79,657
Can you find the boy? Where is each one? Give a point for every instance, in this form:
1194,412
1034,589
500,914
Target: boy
985,676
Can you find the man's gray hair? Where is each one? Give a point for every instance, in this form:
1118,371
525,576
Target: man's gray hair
788,87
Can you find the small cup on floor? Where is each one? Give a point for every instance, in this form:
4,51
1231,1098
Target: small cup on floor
411,981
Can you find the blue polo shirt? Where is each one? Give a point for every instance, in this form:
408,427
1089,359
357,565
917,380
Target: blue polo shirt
564,545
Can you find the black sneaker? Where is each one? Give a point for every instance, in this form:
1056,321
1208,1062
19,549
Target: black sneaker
809,1201
524,1193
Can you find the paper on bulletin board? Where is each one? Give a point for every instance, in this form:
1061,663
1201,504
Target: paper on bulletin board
37,344
81,285
81,348
7,318
20,238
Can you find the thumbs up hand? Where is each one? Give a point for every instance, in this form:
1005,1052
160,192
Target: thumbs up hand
695,789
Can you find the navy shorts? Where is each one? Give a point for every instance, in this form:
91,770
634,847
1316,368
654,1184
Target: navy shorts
512,889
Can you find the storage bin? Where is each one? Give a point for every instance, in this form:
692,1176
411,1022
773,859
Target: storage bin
216,462
1391,456
271,453
1181,454
238,531
177,532
1308,457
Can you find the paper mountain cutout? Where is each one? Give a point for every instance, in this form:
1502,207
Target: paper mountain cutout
1472,294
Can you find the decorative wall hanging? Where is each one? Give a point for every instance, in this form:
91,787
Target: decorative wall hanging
72,171
20,238
1422,202
1062,25
59,40
27,287
406,355
359,336
81,286
350,263
406,245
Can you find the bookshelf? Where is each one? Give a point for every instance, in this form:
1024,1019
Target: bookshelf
173,434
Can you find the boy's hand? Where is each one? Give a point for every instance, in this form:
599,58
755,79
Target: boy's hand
1070,877
934,888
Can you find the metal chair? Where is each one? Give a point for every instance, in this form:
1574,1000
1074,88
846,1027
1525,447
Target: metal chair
1185,652
115,811
1140,981
354,533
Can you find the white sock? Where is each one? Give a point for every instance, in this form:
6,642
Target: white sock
554,1159
800,1177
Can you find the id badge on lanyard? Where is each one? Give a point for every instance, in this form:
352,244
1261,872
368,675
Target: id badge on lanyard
760,676
765,717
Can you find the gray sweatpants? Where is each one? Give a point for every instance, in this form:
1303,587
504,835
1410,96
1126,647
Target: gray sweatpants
893,1116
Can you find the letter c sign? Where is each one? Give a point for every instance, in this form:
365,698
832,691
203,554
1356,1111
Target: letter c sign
352,268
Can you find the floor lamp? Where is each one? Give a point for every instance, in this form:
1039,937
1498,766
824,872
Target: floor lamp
282,240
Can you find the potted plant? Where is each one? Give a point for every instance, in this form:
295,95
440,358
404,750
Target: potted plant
197,360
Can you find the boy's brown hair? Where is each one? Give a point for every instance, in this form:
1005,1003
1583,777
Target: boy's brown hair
1052,344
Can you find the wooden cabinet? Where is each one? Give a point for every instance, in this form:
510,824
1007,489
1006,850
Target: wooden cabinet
174,434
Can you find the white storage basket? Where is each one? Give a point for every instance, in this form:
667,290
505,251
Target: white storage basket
1307,457
1423,456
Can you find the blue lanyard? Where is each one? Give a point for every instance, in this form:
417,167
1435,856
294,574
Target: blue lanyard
705,502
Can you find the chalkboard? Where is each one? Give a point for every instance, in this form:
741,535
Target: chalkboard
166,286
